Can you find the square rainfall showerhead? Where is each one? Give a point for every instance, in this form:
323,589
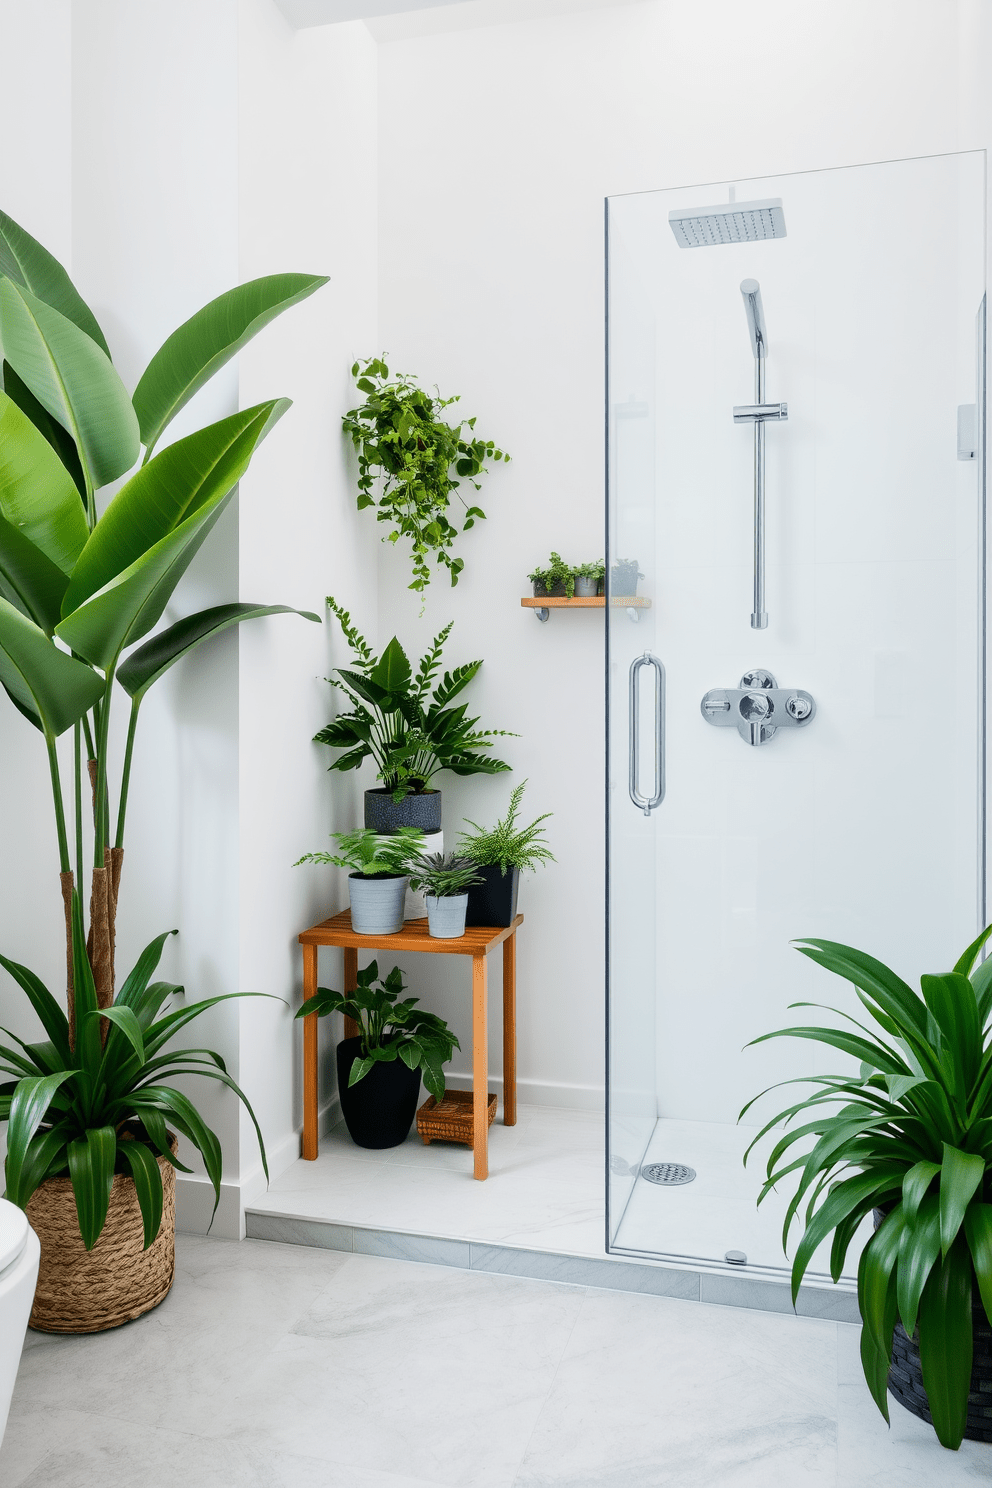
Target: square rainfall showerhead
736,222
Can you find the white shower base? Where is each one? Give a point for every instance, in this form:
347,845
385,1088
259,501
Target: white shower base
700,1221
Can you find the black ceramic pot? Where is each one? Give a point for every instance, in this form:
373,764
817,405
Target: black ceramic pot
493,902
419,809
557,590
379,1110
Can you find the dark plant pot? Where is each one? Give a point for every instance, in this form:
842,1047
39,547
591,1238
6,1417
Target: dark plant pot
557,590
379,1110
493,902
906,1372
419,809
623,579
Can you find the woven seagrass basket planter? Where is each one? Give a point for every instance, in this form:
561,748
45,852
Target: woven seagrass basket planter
81,1291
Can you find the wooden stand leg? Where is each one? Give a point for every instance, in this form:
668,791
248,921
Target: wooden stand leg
350,985
310,1056
480,1069
510,1030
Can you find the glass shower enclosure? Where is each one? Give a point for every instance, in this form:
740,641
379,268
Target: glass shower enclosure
795,651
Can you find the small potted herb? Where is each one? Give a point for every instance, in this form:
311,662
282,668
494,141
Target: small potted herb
379,1070
624,574
380,867
556,581
446,880
588,578
501,853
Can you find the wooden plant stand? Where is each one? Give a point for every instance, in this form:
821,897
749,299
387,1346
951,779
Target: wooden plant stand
477,942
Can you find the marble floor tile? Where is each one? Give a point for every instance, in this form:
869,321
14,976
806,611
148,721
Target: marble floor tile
906,1452
687,1396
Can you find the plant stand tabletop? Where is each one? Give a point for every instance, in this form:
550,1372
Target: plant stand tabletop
477,942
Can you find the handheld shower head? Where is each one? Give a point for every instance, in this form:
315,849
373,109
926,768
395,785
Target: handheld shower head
754,310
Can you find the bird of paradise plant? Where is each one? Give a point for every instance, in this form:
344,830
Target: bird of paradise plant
79,589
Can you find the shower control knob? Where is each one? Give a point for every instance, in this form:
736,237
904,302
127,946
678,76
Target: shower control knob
758,708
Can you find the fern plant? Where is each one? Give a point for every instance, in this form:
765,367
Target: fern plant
910,1135
401,719
418,461
507,844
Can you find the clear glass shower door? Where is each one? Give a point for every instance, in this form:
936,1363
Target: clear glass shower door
822,774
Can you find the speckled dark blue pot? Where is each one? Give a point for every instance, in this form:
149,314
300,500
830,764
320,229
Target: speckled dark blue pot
419,809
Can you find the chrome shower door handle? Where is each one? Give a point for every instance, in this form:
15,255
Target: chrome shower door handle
647,803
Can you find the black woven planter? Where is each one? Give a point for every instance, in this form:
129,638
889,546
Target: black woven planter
419,809
906,1372
493,902
557,590
379,1110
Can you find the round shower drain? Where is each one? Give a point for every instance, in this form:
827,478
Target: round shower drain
668,1173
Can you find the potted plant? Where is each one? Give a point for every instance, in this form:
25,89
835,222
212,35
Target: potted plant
624,574
556,581
379,1070
380,866
406,447
588,579
89,1153
501,853
403,721
446,880
908,1137
83,582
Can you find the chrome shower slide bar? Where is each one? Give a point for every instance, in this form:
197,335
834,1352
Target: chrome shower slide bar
759,413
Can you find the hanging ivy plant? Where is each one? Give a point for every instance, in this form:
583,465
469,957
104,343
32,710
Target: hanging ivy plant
416,460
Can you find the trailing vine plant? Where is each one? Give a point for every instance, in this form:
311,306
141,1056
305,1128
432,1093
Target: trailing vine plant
417,461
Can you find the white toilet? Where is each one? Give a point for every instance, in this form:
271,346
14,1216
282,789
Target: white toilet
19,1257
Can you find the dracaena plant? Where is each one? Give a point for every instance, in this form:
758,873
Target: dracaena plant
401,719
389,1028
95,1098
911,1135
416,460
79,589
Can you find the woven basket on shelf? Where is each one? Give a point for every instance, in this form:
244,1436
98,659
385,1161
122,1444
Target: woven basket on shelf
81,1291
451,1121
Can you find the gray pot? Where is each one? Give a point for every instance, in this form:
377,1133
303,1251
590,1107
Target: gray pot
377,903
419,809
586,588
446,915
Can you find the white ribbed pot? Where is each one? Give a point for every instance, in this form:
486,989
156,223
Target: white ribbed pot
377,902
446,915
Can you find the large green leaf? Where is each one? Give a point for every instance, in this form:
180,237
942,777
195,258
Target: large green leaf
978,1232
966,961
961,1174
392,671
29,580
147,1177
28,1108
23,259
152,660
946,1344
53,1019
919,1248
91,1168
175,485
915,1184
73,378
37,494
209,339
60,439
43,679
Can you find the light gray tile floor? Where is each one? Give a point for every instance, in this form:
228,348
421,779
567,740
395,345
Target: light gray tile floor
274,1366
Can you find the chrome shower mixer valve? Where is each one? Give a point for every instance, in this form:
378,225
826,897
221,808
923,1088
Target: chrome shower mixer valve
758,707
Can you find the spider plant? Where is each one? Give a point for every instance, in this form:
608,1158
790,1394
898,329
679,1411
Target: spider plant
96,1103
911,1135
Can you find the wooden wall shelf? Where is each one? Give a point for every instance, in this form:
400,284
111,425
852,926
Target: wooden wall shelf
543,607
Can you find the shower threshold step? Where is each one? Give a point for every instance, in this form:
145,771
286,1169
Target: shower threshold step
692,1281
